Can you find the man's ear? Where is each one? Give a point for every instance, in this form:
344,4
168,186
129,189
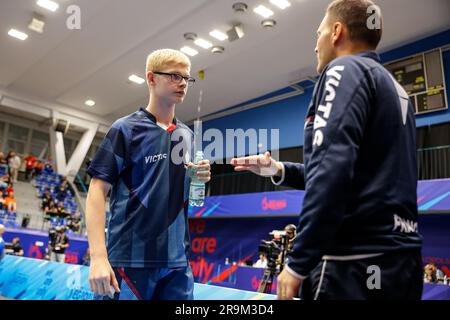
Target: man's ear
150,78
337,32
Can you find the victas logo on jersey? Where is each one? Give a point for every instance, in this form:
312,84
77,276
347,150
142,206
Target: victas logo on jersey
323,111
155,158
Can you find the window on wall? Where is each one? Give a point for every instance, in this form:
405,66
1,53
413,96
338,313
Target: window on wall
17,138
17,133
16,146
39,141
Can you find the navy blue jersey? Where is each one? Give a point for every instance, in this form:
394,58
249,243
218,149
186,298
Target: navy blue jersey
145,165
359,172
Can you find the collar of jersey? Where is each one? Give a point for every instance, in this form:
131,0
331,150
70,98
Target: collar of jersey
370,54
153,118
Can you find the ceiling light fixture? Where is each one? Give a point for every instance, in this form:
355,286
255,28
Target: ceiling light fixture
203,43
217,49
90,103
17,34
48,4
136,79
37,23
240,7
219,35
269,23
263,11
189,51
282,4
190,36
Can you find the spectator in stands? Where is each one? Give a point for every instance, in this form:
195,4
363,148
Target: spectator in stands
438,272
61,193
17,247
74,223
262,261
62,213
60,246
11,203
48,167
30,163
14,163
3,159
51,241
2,242
10,189
4,182
429,274
2,202
46,199
51,210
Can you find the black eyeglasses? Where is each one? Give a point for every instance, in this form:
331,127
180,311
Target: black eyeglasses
175,77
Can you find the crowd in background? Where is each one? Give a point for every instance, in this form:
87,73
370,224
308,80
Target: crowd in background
57,203
432,274
9,167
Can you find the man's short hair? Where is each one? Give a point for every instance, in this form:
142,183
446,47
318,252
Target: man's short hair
355,15
159,59
291,227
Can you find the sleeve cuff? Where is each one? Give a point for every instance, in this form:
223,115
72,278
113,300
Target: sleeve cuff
293,273
278,181
96,174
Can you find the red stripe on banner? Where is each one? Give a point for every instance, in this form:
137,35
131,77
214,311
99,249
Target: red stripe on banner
225,274
198,214
129,283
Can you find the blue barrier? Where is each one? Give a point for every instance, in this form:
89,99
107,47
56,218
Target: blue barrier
432,195
31,279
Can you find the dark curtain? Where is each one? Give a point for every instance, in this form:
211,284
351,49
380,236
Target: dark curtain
433,152
226,181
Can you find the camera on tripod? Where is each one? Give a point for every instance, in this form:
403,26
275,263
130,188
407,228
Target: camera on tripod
274,247
280,244
275,250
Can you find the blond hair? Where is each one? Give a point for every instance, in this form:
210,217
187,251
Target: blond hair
157,60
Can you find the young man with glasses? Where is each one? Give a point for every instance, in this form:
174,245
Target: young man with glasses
146,252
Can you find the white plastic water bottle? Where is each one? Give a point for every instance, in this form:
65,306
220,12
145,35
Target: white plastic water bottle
197,188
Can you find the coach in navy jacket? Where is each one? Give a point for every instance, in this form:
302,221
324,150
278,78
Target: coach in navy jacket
359,170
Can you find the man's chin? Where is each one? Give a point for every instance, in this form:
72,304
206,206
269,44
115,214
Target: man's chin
178,99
